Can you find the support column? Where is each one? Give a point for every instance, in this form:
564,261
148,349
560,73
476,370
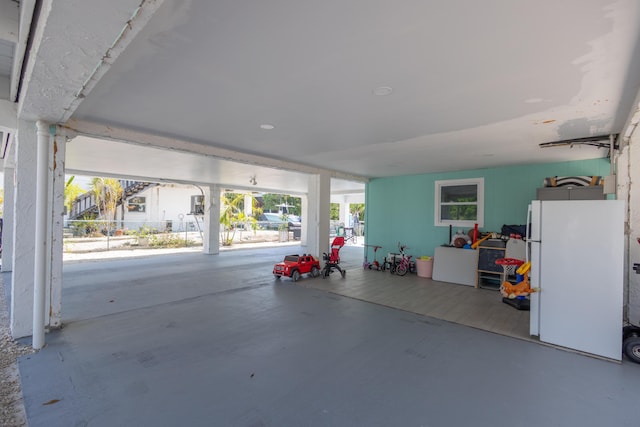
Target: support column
41,223
316,212
23,231
628,187
248,205
344,212
56,226
7,220
304,213
211,243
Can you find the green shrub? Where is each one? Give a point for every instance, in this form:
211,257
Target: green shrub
169,241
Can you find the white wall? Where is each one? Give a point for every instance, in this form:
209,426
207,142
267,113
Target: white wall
165,202
628,189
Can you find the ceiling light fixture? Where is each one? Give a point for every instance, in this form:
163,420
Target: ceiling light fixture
267,126
382,91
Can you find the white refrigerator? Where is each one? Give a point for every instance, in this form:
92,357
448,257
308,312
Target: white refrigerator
576,249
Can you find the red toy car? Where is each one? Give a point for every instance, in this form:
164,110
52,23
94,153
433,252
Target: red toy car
296,265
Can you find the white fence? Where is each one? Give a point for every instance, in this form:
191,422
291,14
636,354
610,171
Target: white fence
99,235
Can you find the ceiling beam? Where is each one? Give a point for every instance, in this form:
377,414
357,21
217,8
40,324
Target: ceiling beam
66,61
24,29
155,141
8,116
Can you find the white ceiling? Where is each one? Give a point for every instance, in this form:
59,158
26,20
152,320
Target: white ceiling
474,84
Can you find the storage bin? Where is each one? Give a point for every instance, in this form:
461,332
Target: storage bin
424,267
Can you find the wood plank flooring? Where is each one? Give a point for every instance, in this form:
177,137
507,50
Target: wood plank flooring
465,305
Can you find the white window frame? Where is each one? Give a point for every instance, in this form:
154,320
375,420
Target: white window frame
439,222
132,202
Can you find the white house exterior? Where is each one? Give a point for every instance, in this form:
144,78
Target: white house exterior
163,206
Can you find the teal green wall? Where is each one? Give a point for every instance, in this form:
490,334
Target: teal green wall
400,209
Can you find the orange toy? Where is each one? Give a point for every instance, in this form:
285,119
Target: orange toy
521,289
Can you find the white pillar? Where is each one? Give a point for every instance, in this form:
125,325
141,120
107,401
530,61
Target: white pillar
344,211
211,241
7,220
40,253
628,178
316,212
23,231
56,226
248,205
304,213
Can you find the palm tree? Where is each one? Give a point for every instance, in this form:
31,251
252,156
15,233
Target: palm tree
71,193
108,193
233,214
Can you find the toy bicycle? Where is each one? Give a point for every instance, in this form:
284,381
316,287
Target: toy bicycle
400,266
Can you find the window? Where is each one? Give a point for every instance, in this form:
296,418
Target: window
137,204
197,205
459,202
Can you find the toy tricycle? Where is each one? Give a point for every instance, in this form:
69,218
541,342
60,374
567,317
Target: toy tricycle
296,265
332,260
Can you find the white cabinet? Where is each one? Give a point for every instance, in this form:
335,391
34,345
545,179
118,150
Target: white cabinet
455,265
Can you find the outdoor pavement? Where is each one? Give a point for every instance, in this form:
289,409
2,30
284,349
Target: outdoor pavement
188,339
127,253
90,249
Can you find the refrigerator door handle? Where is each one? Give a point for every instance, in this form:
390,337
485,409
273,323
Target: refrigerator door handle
528,234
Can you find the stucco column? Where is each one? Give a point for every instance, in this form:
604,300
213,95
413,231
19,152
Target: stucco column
23,231
7,220
248,205
344,211
42,226
316,212
629,188
211,235
304,204
55,218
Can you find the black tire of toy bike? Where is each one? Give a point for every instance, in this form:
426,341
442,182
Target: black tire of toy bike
401,270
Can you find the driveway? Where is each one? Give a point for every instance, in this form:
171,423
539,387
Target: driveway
191,339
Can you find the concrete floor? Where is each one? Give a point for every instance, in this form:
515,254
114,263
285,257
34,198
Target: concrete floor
196,340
